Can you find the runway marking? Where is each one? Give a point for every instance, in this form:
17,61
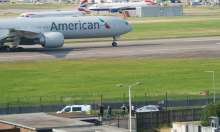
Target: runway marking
54,55
202,40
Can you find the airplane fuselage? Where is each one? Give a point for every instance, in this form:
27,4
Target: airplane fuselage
70,27
108,6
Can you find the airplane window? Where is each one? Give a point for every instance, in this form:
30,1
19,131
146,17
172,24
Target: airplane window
126,23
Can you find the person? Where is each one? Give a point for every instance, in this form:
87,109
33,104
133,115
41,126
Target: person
123,108
109,112
128,108
132,110
101,109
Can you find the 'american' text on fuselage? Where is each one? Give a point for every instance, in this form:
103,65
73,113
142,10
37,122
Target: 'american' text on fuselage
75,26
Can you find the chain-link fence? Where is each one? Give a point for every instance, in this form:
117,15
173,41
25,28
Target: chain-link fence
167,101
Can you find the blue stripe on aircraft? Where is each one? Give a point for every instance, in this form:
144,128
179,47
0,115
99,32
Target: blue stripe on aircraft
109,9
101,20
83,6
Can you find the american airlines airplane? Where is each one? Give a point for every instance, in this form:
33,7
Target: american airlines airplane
118,7
80,11
51,32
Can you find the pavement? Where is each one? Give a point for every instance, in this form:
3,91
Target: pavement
174,48
103,128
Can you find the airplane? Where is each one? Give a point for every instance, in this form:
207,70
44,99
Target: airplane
118,7
80,11
51,32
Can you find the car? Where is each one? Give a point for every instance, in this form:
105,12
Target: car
149,108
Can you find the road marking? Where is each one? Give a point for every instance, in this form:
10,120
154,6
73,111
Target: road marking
202,40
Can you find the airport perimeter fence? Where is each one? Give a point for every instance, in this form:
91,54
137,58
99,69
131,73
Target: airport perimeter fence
167,102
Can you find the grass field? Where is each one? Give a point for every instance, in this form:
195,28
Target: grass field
175,17
167,30
10,6
86,77
201,8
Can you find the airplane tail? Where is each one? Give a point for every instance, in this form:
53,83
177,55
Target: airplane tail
83,6
151,2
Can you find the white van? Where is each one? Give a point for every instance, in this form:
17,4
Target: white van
86,109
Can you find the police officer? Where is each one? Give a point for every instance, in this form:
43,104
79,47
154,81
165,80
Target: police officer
123,108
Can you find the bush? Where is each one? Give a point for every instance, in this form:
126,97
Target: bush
213,109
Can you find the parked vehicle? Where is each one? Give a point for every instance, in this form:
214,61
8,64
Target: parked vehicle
149,108
86,109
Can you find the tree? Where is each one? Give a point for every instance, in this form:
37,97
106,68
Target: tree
213,109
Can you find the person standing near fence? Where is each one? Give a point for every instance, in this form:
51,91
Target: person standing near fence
132,110
101,109
123,108
109,112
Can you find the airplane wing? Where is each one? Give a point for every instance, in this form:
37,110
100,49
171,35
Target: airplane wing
17,33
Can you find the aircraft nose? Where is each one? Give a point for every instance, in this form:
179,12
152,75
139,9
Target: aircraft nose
130,27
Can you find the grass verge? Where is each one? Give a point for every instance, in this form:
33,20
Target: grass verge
83,78
40,5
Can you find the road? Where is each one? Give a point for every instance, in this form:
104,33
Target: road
197,47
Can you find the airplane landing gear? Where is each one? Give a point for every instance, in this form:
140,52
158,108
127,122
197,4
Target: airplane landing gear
115,39
114,44
11,49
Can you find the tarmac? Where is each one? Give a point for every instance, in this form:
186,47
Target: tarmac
173,48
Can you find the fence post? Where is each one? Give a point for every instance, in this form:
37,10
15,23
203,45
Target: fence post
61,101
40,105
29,106
136,101
101,99
51,106
208,97
81,99
8,105
18,105
95,106
187,100
166,101
115,103
145,98
123,98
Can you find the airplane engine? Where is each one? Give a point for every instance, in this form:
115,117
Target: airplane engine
51,40
113,10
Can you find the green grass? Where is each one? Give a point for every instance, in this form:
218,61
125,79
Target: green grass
175,17
167,30
83,78
40,6
10,14
201,8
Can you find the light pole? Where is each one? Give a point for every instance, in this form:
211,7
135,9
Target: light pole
129,86
213,82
